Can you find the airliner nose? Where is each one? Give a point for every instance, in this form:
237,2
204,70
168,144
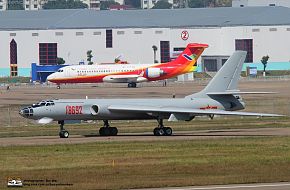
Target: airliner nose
50,77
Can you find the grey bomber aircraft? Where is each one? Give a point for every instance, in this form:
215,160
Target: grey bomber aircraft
220,97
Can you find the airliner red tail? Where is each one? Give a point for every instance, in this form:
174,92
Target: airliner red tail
186,61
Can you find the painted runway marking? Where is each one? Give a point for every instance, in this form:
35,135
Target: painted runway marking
235,187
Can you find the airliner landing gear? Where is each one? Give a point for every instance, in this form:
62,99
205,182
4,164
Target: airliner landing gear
132,85
58,86
107,130
161,130
62,132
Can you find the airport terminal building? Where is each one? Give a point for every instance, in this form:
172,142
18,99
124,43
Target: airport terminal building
42,36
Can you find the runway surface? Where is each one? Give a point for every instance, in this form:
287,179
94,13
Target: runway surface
178,135
258,186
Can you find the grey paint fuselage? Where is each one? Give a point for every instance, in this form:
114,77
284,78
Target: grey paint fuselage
58,111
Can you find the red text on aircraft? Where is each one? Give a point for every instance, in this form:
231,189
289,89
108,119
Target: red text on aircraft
73,110
208,107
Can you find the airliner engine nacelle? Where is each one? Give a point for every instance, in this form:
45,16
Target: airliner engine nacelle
154,72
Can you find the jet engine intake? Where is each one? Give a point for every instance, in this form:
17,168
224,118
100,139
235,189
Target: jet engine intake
95,109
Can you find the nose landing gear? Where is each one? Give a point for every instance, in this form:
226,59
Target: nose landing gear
62,132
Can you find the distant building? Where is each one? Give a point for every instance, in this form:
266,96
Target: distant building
69,34
253,3
38,4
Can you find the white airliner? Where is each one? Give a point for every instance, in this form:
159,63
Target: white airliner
130,73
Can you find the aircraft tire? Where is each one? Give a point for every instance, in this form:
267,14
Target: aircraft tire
168,131
156,132
101,131
161,132
63,134
113,131
129,85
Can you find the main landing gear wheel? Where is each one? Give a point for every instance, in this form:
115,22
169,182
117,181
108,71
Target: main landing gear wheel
58,86
107,130
161,130
165,131
62,132
132,85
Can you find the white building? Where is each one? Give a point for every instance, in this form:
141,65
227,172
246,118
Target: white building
71,33
252,3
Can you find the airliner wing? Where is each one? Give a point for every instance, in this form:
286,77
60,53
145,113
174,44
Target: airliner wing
180,110
121,78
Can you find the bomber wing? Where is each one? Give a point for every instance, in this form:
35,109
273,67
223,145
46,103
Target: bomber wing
180,110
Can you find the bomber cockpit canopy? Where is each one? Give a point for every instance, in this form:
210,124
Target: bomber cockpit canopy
43,103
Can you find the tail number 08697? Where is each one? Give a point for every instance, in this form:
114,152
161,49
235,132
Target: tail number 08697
73,110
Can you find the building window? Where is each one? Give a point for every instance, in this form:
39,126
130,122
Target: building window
13,58
59,33
210,65
246,45
272,29
97,33
109,39
255,30
164,51
137,32
34,34
180,49
120,32
79,33
47,53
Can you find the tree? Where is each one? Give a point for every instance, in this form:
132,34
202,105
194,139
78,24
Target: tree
197,3
65,4
134,3
105,5
89,57
15,5
162,4
60,61
154,47
264,60
209,3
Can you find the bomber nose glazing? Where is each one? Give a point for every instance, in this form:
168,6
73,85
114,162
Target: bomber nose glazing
26,112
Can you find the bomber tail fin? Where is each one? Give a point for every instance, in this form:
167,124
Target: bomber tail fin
190,55
227,77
